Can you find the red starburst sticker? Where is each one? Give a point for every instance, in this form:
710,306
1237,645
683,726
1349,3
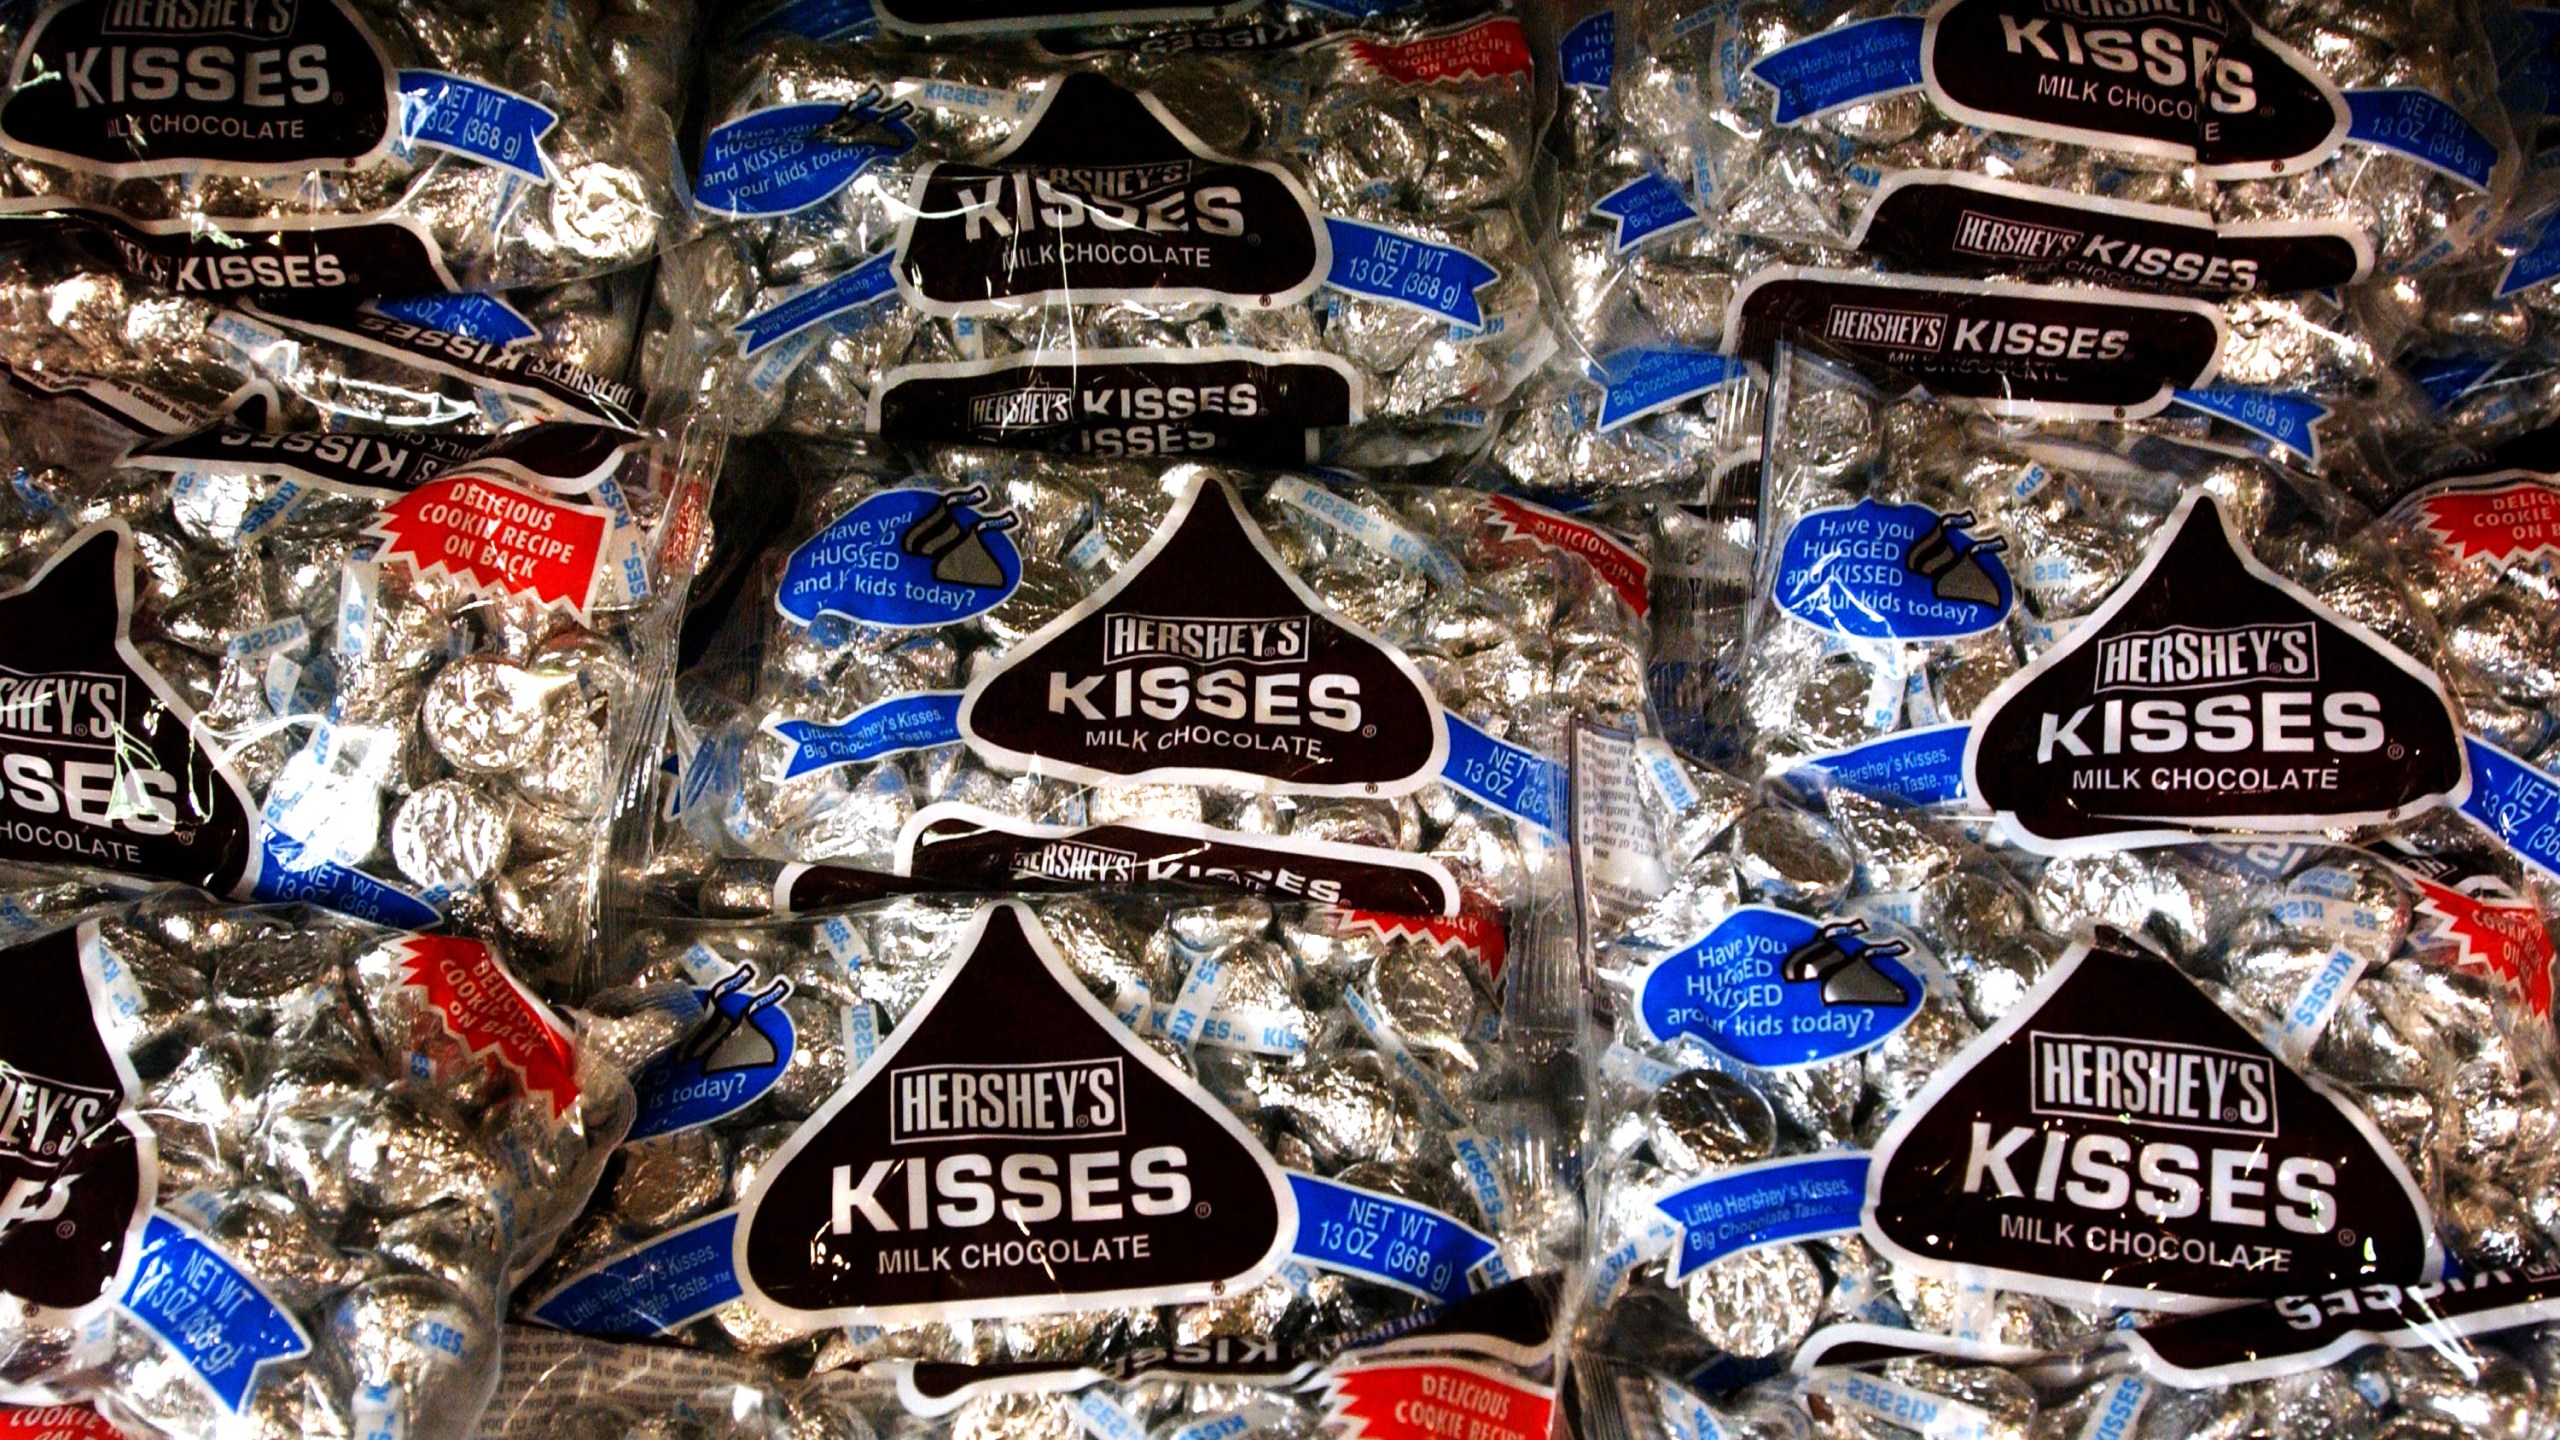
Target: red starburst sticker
1480,52
1436,1400
2507,941
1622,568
503,540
1467,933
2502,520
55,1422
492,1015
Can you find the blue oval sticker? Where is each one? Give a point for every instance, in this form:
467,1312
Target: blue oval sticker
1893,572
724,1063
907,559
1773,989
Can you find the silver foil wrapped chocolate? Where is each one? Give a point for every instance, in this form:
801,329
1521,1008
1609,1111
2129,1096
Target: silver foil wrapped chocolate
163,360
1276,249
354,149
996,667
287,1167
399,677
1194,1118
1879,1097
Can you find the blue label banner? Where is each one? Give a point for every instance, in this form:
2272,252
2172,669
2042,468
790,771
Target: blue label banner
1797,1198
1645,207
1892,572
725,1061
2292,421
1637,383
780,160
473,313
1587,58
333,886
2516,802
857,287
815,20
214,1317
1512,780
2449,379
469,118
1439,280
904,558
889,727
1918,767
2537,257
1843,66
1412,1247
678,1277
1773,989
2423,128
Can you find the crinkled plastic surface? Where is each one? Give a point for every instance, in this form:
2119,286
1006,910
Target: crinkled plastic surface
1852,1107
1287,248
297,1165
1492,1350
1272,1123
372,149
402,678
1280,682
448,365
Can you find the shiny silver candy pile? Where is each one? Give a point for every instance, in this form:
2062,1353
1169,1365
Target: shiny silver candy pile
609,76
404,723
1345,1053
1439,152
1899,787
320,1131
1515,636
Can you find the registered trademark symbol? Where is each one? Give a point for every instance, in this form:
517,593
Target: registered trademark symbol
1201,1210
2346,1237
2229,1114
2396,750
1368,732
64,1229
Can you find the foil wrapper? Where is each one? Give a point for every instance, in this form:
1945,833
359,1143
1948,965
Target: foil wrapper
396,677
1354,1067
1784,1050
1742,138
2475,345
315,1155
2045,526
153,360
2472,548
556,1384
1387,299
409,149
845,737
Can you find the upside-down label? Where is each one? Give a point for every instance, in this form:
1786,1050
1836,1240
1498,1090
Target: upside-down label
1427,1399
1623,569
1479,52
491,1014
501,539
1465,933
